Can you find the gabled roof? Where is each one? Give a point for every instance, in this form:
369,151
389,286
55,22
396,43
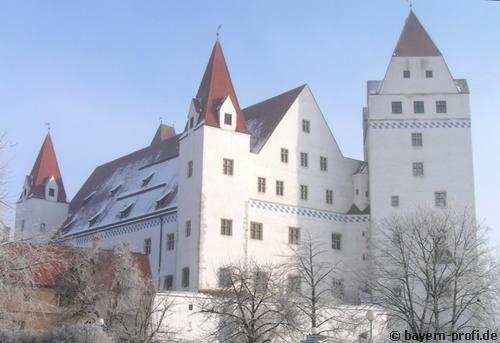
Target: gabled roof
264,117
414,40
215,85
157,162
45,167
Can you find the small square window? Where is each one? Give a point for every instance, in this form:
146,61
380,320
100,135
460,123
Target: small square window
303,192
418,169
306,126
168,283
185,277
228,119
147,246
397,107
416,139
428,74
227,166
336,241
52,192
440,199
190,169
279,188
261,184
338,288
191,122
395,201
293,235
323,163
329,196
225,277
418,107
188,228
441,106
256,231
406,74
303,159
284,155
226,227
170,241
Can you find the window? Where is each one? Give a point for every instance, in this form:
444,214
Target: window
147,180
226,227
190,169
406,74
323,163
170,241
147,246
42,227
185,277
357,191
441,106
418,107
303,159
52,192
306,126
228,119
190,308
284,155
191,122
261,280
164,200
338,288
395,201
366,194
256,231
440,199
397,107
224,276
279,188
168,282
293,235
22,224
293,283
303,192
261,184
329,196
416,139
227,166
115,189
188,228
336,241
125,211
428,74
418,169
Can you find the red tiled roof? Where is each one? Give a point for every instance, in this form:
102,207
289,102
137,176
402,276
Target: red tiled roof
45,167
215,85
414,40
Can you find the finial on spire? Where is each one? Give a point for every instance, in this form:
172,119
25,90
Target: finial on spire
48,127
410,3
161,120
218,31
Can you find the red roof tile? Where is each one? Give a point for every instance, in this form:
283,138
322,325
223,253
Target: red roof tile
215,85
414,40
45,167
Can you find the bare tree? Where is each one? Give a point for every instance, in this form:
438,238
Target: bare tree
317,288
109,285
252,305
433,272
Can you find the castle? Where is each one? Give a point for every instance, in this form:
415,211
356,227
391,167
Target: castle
240,184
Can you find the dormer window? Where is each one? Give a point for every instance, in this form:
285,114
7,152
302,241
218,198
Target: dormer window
406,74
147,180
228,119
115,189
88,197
94,218
125,211
164,200
52,192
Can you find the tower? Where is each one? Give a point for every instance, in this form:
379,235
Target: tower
417,131
213,179
42,206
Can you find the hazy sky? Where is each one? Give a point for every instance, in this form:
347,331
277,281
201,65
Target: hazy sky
103,72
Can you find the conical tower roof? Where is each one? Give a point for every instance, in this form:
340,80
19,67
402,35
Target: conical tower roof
414,40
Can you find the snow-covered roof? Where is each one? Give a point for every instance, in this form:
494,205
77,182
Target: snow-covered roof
116,191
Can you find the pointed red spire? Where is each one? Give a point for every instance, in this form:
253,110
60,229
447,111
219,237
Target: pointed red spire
46,167
215,86
414,40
